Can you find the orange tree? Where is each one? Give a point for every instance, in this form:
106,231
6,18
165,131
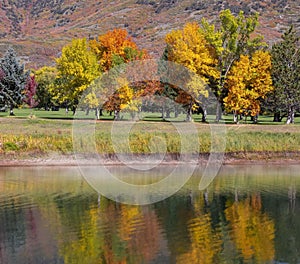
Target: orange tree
113,49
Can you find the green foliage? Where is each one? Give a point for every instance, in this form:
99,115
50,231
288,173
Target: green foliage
13,80
45,78
230,41
285,74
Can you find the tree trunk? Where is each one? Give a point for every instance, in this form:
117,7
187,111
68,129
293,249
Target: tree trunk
11,111
168,113
291,116
277,117
235,117
117,115
176,111
97,112
204,115
189,113
163,112
254,119
87,112
218,113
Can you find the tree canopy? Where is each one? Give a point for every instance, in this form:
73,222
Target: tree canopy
13,80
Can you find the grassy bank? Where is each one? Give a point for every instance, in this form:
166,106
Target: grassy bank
23,137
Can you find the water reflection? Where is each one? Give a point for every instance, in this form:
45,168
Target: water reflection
51,215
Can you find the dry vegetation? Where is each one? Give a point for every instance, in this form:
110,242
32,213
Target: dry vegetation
39,28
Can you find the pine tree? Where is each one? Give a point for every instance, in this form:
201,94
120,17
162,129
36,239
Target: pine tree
13,79
285,75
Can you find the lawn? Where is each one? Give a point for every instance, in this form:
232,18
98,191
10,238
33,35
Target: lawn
34,133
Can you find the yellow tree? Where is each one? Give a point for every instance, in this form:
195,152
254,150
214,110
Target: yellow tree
76,69
248,82
189,48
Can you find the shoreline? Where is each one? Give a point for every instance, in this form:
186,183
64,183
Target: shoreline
239,158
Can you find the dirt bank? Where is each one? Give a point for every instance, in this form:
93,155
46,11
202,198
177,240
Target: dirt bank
169,159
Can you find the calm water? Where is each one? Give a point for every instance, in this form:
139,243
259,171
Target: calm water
249,214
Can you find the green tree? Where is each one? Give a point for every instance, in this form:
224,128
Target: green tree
13,80
285,75
76,69
45,78
230,41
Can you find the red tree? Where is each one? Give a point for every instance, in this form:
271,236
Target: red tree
30,91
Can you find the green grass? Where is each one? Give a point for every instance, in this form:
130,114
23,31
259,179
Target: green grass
50,132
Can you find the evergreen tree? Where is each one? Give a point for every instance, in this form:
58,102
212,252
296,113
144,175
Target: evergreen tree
285,98
13,79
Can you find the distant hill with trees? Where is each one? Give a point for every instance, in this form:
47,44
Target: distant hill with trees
38,29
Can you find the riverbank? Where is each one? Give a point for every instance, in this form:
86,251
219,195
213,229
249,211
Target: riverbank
112,160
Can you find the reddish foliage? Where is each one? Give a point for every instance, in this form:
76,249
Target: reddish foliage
30,91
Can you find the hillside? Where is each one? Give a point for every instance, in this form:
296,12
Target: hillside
39,28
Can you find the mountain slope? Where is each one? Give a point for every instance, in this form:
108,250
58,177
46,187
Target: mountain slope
39,28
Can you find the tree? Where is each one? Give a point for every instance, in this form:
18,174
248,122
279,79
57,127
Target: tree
285,75
230,41
114,48
13,79
189,48
76,69
248,83
30,92
45,78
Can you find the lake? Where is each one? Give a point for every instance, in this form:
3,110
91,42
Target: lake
249,214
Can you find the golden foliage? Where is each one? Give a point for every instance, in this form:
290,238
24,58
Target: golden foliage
249,81
189,48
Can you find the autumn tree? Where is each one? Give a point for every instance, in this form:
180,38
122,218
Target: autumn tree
30,92
76,69
230,40
248,83
114,48
189,48
13,80
285,75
